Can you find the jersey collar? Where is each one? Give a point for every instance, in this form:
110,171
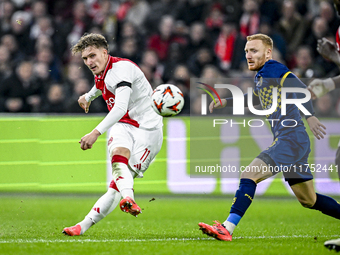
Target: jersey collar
102,76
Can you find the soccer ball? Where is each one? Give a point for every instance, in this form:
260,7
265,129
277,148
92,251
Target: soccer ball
167,100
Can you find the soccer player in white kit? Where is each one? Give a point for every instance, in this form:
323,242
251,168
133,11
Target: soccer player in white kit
136,130
320,87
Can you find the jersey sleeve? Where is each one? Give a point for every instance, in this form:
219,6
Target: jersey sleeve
293,81
118,111
125,74
92,94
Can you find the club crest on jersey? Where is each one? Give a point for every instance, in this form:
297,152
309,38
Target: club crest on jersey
259,83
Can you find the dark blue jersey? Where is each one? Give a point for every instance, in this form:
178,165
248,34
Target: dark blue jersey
273,74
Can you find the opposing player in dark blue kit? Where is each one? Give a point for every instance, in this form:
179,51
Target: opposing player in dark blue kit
291,145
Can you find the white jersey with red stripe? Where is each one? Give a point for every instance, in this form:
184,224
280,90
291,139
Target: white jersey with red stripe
123,72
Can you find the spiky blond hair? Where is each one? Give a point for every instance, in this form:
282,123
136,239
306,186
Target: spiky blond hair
266,40
87,40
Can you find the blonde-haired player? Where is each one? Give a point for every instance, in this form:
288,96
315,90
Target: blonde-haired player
290,148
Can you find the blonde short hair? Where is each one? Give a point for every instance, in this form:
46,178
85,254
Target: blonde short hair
266,40
88,40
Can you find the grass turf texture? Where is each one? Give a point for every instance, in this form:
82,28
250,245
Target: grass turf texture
168,225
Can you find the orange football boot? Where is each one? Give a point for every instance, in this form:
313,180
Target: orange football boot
129,205
218,231
72,231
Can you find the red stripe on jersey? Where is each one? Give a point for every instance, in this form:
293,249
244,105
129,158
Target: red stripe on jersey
119,159
129,121
116,59
126,119
337,37
108,96
99,79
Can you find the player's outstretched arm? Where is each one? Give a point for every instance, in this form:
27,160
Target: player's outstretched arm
319,87
83,103
117,112
316,127
218,105
328,50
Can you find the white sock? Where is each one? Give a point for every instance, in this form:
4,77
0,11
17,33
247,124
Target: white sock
85,224
104,206
229,226
127,193
123,178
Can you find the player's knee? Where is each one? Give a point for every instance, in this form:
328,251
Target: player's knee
121,151
246,175
306,203
255,176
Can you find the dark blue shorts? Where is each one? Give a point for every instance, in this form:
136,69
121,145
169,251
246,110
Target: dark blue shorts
289,154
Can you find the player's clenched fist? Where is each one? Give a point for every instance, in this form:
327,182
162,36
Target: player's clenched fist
83,103
218,105
88,140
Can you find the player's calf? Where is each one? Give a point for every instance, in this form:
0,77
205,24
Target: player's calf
327,205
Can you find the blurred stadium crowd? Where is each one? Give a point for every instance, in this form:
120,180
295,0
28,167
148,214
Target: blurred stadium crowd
171,40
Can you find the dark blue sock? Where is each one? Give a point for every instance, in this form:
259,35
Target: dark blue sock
242,200
327,205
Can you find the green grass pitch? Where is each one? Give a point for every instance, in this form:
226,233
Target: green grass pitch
32,224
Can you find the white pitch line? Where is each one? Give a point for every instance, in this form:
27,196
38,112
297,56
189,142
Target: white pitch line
99,241
21,241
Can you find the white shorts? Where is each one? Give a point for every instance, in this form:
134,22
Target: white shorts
143,144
